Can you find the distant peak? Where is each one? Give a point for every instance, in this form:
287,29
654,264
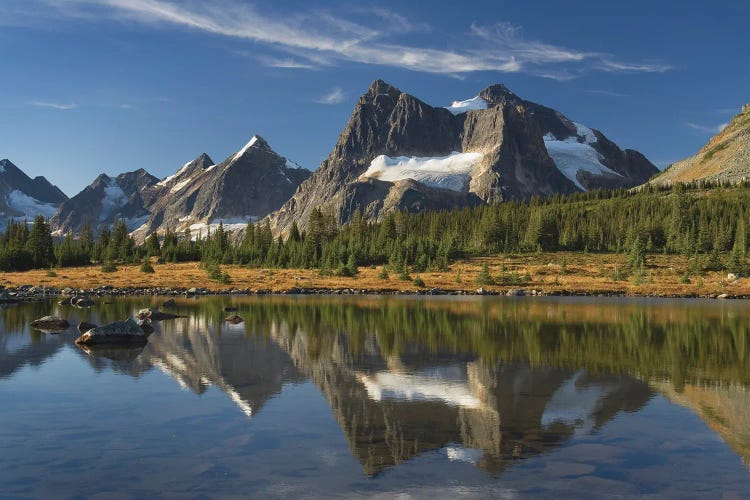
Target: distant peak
498,93
257,142
204,159
379,87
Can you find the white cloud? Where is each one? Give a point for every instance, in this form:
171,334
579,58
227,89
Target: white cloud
54,105
707,129
285,63
320,38
335,96
622,67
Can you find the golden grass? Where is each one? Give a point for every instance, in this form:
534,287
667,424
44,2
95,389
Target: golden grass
583,273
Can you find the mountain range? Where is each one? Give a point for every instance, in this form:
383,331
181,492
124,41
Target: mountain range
396,152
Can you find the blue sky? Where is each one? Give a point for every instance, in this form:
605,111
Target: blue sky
90,86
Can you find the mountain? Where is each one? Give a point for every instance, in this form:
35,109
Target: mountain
247,186
105,201
397,152
23,198
726,157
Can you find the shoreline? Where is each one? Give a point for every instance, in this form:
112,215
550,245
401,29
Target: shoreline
28,293
550,274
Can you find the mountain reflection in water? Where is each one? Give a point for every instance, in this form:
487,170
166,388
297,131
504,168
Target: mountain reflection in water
489,382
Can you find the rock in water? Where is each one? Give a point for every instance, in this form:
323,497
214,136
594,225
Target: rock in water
50,323
119,332
82,301
156,315
230,309
234,319
146,326
84,327
169,303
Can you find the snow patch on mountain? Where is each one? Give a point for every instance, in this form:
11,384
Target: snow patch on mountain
458,107
586,133
571,157
30,207
170,178
180,185
245,148
230,224
447,172
114,199
135,223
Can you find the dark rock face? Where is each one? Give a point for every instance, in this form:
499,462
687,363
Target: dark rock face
105,201
514,140
24,197
246,186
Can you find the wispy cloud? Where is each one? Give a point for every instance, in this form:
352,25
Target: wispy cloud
285,63
715,129
613,66
316,37
54,105
609,93
335,96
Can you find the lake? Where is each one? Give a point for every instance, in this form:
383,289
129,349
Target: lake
377,396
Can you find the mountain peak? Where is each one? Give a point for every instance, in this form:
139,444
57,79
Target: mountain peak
498,93
379,87
256,143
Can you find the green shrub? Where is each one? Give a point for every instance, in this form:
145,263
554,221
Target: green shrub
485,278
109,267
146,267
419,282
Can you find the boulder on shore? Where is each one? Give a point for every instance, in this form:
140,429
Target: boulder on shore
120,332
50,323
234,319
156,315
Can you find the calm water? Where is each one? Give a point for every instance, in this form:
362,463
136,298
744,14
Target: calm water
530,397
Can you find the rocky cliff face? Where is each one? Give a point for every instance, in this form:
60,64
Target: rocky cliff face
104,201
726,157
23,198
247,186
493,147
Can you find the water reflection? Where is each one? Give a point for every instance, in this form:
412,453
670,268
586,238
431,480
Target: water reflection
488,382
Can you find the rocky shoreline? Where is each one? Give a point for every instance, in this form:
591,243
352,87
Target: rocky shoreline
31,293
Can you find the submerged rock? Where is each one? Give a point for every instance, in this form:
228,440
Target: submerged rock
156,315
120,332
169,304
230,309
234,319
84,327
50,323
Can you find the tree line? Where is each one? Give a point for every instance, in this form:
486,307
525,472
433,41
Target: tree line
687,220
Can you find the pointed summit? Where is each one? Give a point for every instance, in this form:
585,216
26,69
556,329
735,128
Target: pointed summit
257,143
